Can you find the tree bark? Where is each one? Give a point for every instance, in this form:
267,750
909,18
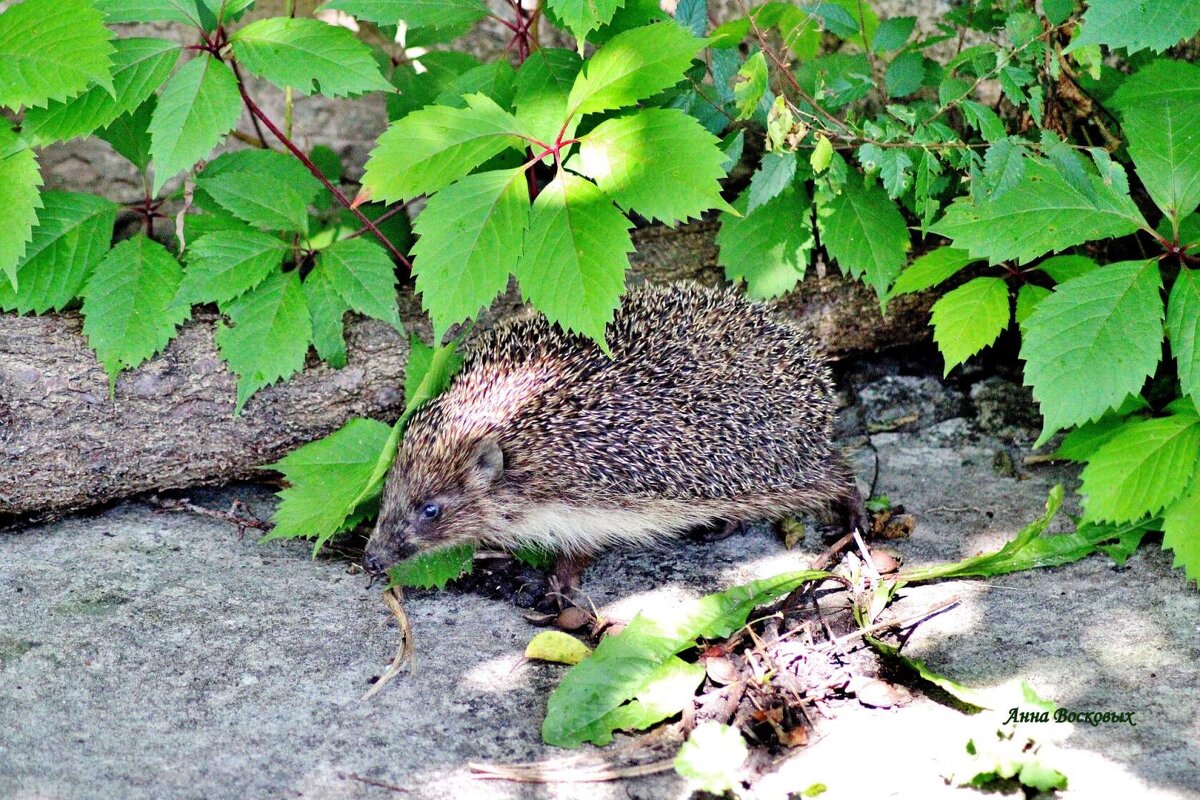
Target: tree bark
65,444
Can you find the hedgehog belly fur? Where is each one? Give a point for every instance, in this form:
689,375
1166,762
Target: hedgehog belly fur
586,530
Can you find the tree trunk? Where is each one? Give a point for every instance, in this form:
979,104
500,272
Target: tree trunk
66,445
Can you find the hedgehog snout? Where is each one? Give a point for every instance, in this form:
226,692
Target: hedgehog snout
385,549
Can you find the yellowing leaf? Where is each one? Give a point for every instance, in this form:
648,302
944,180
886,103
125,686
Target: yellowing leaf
558,647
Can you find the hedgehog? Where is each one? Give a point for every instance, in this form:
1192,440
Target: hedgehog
708,410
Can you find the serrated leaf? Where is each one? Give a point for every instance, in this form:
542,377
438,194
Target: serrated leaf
769,249
865,233
1145,466
129,309
1028,297
363,274
693,15
905,74
52,50
495,80
263,200
435,146
308,55
19,201
1092,342
1136,26
1003,167
750,85
327,311
581,17
1064,268
984,119
1183,327
542,87
1041,214
438,70
1066,161
140,65
969,318
557,647
658,162
434,569
631,66
197,107
895,170
1163,133
182,11
575,254
471,234
773,175
417,13
224,265
270,334
129,134
892,33
930,270
1181,530
1080,444
72,234
324,479
712,757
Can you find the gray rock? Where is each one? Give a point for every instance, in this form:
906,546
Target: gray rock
1006,409
908,402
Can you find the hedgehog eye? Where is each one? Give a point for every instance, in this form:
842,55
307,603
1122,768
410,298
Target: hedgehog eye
431,511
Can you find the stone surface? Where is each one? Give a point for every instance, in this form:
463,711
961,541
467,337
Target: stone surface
146,654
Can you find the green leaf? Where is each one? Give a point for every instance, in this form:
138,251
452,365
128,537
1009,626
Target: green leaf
224,265
327,311
52,50
905,74
769,249
581,17
182,11
1181,530
197,107
892,33
557,647
821,155
773,175
930,270
417,13
1092,342
1064,268
1163,133
139,67
270,334
1183,327
362,272
1080,444
471,234
433,570
864,232
129,134
263,199
573,263
631,66
750,86
129,309
439,70
307,54
969,318
984,119
543,85
324,479
1144,467
581,709
495,80
1028,297
712,757
658,162
1136,26
1042,213
72,234
1003,167
433,147
19,200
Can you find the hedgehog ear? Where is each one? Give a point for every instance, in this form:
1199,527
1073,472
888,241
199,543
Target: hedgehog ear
489,461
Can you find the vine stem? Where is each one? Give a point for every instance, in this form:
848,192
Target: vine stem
338,194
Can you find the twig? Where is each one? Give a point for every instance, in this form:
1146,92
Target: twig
238,515
350,776
394,598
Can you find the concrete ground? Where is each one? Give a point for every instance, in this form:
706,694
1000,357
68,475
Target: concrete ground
149,654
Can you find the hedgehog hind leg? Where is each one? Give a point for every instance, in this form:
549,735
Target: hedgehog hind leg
567,577
848,503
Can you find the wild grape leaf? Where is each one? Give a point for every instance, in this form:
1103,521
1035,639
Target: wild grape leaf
471,235
1141,469
307,54
72,234
1003,167
1136,26
52,50
1092,342
572,267
363,274
893,33
768,248
495,80
1028,297
435,146
226,264
1064,268
542,87
327,311
930,270
1183,327
265,200
865,233
129,134
1181,529
1163,133
417,89
270,334
631,66
434,569
324,478
1042,213
581,17
658,162
140,65
197,107
129,309
773,175
19,200
969,318
416,13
